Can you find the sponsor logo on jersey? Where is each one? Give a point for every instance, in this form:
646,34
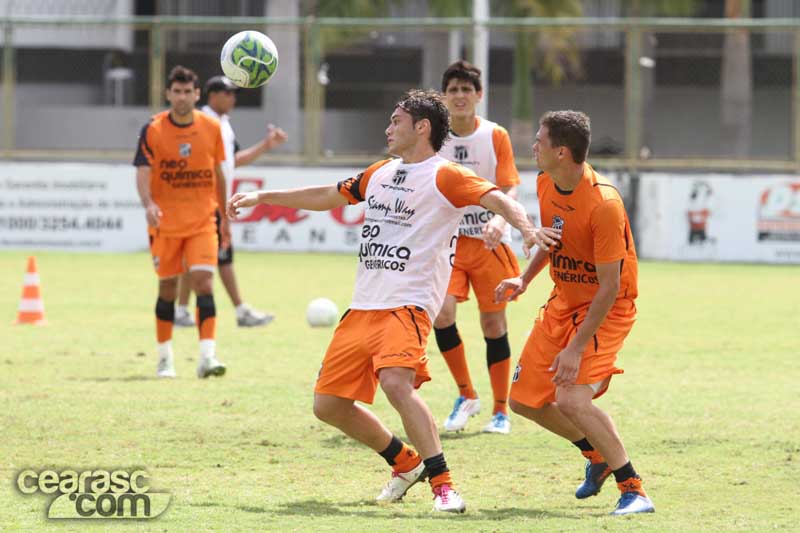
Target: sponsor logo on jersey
400,176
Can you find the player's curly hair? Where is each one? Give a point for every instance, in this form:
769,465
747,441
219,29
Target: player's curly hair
465,71
571,129
428,105
182,74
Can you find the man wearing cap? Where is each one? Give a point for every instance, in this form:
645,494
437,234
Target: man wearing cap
221,96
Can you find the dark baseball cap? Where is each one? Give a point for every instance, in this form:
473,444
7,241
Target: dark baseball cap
220,83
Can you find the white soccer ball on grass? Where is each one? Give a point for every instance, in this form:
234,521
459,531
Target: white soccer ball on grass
322,313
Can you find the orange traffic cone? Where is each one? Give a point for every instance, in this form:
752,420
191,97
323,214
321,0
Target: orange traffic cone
31,306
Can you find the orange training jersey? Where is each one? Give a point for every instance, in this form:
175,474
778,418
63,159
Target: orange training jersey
594,229
182,160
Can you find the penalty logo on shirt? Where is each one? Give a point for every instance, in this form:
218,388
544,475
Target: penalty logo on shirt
460,153
558,222
185,149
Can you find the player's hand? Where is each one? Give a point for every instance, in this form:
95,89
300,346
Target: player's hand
225,232
275,137
239,200
544,238
153,214
516,286
566,366
492,232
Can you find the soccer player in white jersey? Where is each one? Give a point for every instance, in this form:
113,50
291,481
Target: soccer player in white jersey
483,256
221,95
413,206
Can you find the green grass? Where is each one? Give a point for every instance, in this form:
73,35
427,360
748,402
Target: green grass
708,407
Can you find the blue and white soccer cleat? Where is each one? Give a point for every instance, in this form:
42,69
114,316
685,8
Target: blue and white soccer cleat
596,475
633,502
462,410
500,423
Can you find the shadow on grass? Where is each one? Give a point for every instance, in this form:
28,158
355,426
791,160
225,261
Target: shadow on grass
459,435
104,379
369,509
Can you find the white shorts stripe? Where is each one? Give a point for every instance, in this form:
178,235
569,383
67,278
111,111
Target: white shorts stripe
204,268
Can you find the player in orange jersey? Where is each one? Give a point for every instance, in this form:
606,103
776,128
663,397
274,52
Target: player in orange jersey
181,182
483,255
413,206
569,357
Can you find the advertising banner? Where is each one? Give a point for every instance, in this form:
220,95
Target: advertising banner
711,217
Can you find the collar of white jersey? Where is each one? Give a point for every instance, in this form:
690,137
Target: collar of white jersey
209,111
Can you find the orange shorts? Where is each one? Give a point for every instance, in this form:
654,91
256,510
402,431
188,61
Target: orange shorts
483,269
367,341
172,256
532,384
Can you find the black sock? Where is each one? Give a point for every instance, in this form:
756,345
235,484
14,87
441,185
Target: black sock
497,350
624,472
584,445
391,451
447,338
436,465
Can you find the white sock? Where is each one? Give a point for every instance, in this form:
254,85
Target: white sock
165,350
183,309
207,348
241,309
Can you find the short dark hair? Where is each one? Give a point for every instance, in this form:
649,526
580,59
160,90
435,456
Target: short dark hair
571,129
428,105
182,74
462,70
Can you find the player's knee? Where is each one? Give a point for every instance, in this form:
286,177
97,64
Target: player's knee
395,383
325,410
572,407
493,325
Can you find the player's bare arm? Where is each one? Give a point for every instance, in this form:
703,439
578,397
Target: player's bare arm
510,288
515,214
275,137
322,198
567,362
492,232
224,226
152,211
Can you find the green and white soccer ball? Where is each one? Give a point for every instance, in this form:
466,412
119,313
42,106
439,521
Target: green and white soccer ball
322,313
249,59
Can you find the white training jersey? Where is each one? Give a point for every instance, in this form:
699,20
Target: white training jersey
229,142
487,152
409,233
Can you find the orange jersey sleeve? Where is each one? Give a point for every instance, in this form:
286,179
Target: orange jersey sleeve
608,227
461,186
355,188
506,173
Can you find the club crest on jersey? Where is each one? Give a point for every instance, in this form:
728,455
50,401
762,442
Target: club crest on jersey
185,149
558,222
460,153
399,177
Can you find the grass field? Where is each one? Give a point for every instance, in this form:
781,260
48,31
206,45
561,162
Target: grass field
708,407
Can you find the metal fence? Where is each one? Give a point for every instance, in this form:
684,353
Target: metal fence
662,93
